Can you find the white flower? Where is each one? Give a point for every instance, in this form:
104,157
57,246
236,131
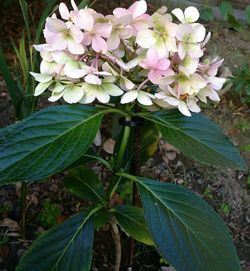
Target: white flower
142,97
100,89
190,15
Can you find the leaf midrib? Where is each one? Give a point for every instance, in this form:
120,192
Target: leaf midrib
74,236
59,136
170,210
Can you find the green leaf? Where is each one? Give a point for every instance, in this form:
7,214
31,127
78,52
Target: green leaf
83,4
12,87
84,183
90,156
131,219
207,14
65,247
198,137
25,11
101,218
149,140
185,229
47,142
226,8
233,22
247,11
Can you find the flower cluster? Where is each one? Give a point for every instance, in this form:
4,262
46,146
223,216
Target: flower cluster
153,60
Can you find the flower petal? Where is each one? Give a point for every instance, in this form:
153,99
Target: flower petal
192,106
197,81
103,30
198,33
178,13
191,14
102,96
129,96
64,12
113,41
145,38
99,44
184,109
172,101
58,87
75,48
76,33
216,82
112,89
55,96
55,25
93,79
144,99
41,77
183,32
138,8
73,94
41,87
84,20
61,57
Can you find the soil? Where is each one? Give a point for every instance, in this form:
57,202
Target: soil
226,190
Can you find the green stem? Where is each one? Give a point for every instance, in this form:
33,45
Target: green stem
123,146
118,162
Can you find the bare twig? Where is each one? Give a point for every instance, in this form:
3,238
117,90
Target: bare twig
117,242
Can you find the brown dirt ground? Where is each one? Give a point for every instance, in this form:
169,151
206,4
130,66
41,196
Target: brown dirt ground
226,190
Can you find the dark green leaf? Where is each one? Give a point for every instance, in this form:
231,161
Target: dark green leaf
101,218
84,183
198,137
149,140
131,219
247,11
207,14
226,8
233,22
87,157
25,11
83,4
65,247
12,87
185,229
47,142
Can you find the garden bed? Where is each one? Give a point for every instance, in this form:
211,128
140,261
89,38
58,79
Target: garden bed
226,190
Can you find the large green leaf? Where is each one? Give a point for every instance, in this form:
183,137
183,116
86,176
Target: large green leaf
185,229
198,137
84,183
131,219
66,247
47,142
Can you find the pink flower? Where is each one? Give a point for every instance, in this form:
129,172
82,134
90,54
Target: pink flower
157,67
63,36
120,30
140,20
82,18
211,67
95,37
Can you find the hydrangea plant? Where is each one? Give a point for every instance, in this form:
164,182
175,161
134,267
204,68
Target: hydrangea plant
153,72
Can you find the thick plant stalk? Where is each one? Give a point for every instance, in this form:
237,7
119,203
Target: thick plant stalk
23,208
135,195
117,242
